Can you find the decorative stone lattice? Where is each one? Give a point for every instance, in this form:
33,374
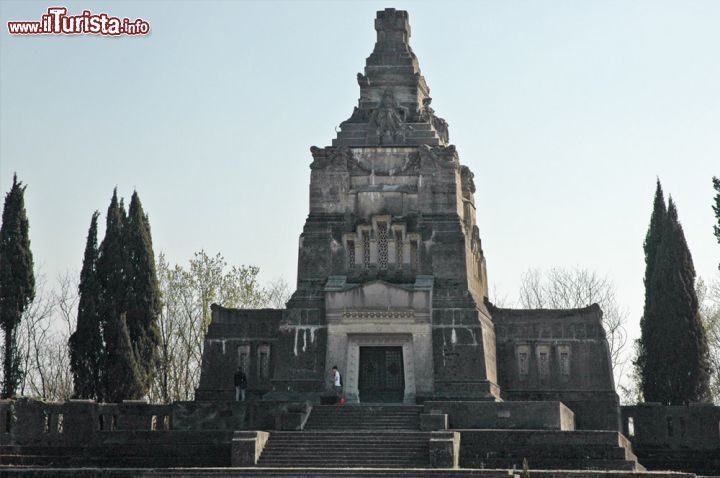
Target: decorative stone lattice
382,234
366,249
351,253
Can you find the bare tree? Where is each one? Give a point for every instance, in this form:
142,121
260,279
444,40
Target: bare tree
278,293
499,299
573,288
43,339
32,335
187,294
709,300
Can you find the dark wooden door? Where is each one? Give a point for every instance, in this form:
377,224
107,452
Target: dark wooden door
382,377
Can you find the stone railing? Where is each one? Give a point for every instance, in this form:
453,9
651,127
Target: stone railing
28,421
76,422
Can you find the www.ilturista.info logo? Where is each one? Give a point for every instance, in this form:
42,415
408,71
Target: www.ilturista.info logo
58,22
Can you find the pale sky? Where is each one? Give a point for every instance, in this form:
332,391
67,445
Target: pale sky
566,111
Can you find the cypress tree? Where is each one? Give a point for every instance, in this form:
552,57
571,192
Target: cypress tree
121,378
673,354
654,234
648,341
143,292
86,344
17,281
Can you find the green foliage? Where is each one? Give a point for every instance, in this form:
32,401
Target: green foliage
187,295
86,344
672,351
17,281
237,287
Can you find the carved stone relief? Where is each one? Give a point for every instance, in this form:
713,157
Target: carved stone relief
332,159
434,157
427,114
388,119
468,183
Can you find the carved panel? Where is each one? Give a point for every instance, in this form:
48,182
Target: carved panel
435,157
337,159
379,314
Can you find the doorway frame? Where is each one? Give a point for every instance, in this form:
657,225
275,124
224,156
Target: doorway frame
355,341
378,356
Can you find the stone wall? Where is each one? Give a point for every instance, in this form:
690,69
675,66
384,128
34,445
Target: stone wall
558,355
235,336
683,438
505,415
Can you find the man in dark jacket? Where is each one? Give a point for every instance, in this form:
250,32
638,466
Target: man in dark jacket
240,385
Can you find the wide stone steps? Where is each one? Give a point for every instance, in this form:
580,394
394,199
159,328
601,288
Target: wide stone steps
365,417
315,473
267,473
346,449
548,450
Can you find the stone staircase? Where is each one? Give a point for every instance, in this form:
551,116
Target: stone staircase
268,473
382,436
339,449
364,417
356,438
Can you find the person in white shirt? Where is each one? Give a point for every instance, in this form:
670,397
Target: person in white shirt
337,381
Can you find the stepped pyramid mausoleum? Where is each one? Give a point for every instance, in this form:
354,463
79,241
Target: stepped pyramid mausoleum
392,279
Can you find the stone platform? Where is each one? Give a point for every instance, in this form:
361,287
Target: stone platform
550,415
547,450
316,473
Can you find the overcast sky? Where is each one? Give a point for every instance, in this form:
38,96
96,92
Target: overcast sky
566,111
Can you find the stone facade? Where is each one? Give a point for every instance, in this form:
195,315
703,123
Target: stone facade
558,355
390,256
